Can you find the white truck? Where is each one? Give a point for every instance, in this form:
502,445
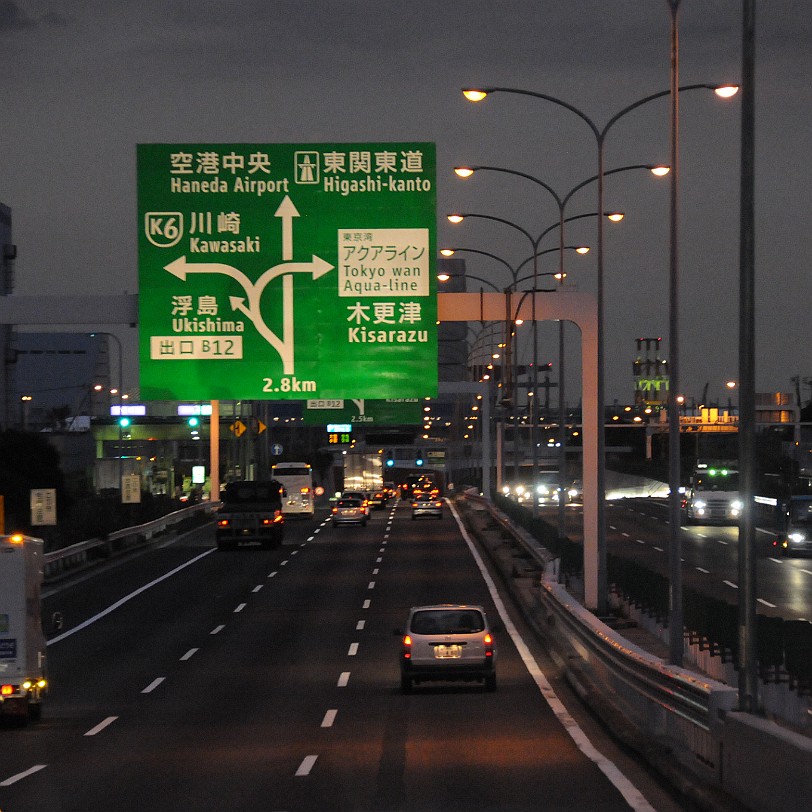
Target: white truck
23,682
713,495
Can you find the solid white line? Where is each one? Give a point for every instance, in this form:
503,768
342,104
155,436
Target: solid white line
766,603
731,584
217,629
360,625
240,607
189,654
329,718
343,679
19,777
353,650
126,598
101,726
153,685
367,604
632,795
257,587
306,766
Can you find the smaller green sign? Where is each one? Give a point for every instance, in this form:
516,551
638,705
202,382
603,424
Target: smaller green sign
392,412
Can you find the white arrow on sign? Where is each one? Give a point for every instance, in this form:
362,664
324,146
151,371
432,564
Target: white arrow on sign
286,212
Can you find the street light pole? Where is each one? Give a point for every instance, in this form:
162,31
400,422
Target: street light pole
596,583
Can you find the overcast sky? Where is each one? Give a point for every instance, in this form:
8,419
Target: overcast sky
84,81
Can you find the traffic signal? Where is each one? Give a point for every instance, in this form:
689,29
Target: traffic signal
418,461
193,422
390,459
124,422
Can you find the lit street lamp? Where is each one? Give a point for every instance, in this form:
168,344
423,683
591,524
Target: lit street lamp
596,583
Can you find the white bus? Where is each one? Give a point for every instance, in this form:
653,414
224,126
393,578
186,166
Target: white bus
297,480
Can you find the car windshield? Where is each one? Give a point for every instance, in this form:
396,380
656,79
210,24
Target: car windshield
447,621
801,511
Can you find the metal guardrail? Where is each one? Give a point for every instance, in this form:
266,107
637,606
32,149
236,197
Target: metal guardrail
86,553
691,717
687,694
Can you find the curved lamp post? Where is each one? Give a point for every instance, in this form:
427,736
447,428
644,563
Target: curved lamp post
598,600
658,170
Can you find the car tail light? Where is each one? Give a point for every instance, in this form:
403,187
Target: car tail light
278,516
268,521
6,690
335,510
304,490
489,645
407,647
222,523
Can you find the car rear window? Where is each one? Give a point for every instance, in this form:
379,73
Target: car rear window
447,621
349,503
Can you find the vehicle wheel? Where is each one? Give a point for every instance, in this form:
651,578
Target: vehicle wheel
405,684
490,682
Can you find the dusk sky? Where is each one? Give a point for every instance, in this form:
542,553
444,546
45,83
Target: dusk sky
84,81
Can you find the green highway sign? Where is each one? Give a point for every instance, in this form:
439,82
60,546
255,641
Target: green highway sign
287,271
390,412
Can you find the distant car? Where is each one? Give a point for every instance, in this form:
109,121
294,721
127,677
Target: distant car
447,642
350,511
576,491
362,495
425,504
390,489
378,499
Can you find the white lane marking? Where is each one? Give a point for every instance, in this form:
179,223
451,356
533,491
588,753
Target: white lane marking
284,563
625,535
612,527
381,550
126,598
310,538
766,603
379,559
700,569
808,572
632,795
701,535
721,541
257,587
329,718
240,607
375,571
189,654
640,541
731,584
153,685
367,604
271,574
294,552
19,777
343,679
353,650
217,629
371,585
306,766
659,549
360,625
777,560
101,726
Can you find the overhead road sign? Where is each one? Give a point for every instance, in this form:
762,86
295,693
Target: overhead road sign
390,412
285,271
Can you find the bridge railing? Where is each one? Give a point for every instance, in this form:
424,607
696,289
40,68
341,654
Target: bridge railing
87,553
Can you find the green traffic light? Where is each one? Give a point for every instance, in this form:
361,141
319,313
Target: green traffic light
124,422
193,422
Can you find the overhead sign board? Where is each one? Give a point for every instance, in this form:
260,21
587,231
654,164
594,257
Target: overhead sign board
285,271
390,412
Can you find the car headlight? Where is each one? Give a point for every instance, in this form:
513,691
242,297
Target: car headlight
797,537
737,504
699,504
542,490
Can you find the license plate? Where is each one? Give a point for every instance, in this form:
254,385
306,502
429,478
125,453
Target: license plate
447,652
